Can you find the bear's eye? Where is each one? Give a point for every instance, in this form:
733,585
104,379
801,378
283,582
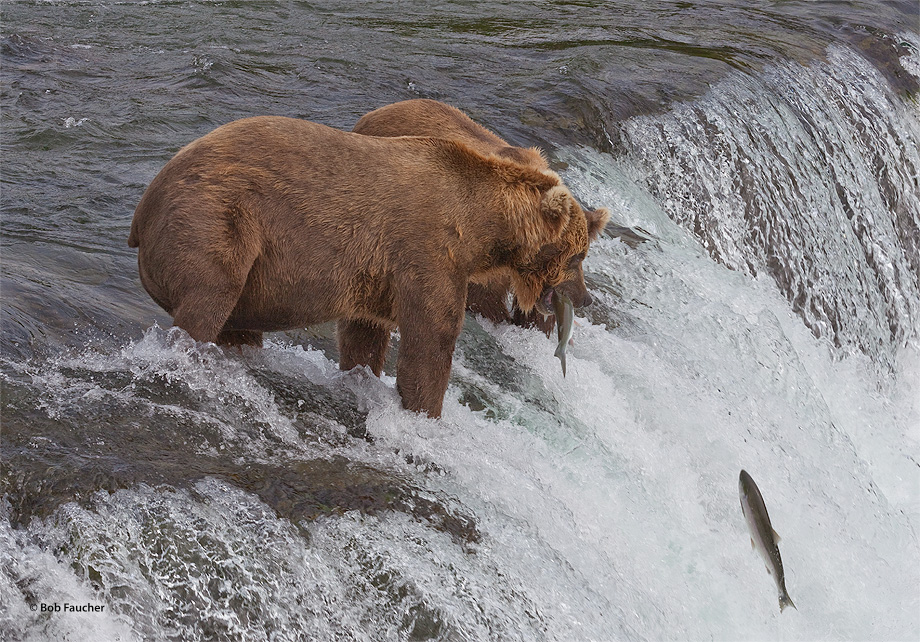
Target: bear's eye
547,254
575,260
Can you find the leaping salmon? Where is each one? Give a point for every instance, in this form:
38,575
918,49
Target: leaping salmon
763,537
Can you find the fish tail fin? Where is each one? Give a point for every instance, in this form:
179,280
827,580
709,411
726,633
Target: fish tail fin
784,601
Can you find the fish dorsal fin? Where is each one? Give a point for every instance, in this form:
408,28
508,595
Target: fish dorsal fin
775,536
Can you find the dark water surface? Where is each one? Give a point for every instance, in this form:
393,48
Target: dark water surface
98,96
772,146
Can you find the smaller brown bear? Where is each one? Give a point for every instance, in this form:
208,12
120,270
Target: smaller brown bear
274,223
424,117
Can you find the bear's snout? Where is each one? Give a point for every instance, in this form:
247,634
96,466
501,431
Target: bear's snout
580,297
576,292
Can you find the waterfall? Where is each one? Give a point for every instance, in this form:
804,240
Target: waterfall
811,174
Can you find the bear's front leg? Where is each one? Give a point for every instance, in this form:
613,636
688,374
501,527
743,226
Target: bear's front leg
488,301
429,324
362,343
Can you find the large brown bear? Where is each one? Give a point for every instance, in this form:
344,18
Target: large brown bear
274,223
424,117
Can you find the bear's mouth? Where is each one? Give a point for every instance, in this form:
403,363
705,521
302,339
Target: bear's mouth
544,304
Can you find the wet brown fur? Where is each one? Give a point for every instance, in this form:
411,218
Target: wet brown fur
274,223
424,117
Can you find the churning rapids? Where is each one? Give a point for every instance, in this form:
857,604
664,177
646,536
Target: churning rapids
155,489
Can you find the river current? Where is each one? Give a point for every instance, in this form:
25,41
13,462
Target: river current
768,153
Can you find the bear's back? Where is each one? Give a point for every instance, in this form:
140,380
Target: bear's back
425,117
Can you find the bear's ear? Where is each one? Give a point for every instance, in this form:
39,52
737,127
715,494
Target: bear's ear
556,210
597,220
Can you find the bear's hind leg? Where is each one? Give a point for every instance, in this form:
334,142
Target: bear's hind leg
216,268
362,343
240,338
203,312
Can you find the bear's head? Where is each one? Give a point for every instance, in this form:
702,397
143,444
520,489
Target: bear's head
557,262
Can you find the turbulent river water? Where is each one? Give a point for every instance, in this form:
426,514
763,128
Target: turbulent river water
769,152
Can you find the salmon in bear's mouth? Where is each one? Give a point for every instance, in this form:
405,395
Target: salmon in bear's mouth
544,304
